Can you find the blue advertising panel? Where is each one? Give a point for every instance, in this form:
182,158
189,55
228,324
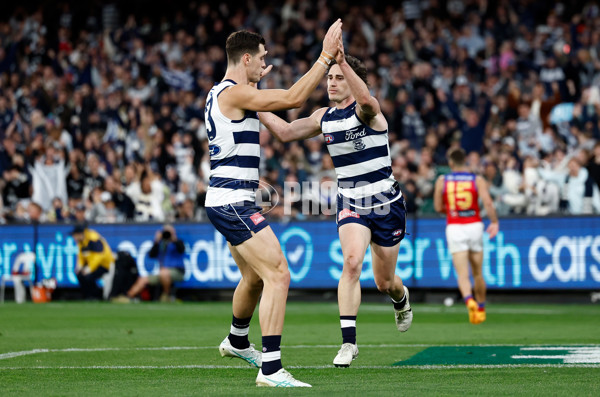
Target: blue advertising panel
528,253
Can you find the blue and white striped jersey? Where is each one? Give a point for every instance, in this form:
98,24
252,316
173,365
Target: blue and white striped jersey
234,153
361,157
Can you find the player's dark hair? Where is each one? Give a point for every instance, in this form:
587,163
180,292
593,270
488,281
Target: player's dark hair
359,68
240,43
457,156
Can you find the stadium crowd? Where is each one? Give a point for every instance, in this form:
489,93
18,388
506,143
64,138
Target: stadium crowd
102,106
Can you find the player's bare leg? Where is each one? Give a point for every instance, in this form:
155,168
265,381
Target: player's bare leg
476,260
245,298
384,270
460,260
262,253
354,239
249,288
479,289
388,282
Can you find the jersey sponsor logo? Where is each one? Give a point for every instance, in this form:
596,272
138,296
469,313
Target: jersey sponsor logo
397,232
359,144
466,214
213,150
346,213
328,138
354,133
257,218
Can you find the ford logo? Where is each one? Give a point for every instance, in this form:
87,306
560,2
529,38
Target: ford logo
213,150
355,133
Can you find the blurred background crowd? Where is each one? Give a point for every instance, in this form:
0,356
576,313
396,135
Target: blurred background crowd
102,103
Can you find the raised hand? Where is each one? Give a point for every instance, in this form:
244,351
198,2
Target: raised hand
340,57
330,42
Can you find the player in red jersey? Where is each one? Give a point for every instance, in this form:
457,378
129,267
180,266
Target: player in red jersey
456,195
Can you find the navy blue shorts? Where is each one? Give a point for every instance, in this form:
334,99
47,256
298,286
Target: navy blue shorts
237,222
387,222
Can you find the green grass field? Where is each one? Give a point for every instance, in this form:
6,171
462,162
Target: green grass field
89,349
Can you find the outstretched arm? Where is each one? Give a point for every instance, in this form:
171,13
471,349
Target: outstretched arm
489,206
446,99
367,106
243,96
304,128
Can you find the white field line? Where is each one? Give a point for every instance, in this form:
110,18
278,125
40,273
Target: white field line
389,367
551,348
4,356
8,355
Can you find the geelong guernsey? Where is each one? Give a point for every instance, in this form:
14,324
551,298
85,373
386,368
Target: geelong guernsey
361,157
234,153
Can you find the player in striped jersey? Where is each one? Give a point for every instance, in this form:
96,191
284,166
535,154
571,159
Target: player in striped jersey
456,194
371,209
233,130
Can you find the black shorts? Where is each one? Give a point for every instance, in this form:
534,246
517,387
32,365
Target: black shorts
387,222
237,222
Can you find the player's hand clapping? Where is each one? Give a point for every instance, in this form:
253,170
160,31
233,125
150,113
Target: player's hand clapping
330,42
340,57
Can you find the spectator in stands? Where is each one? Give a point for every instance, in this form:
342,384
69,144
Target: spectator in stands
578,192
112,213
94,173
185,210
7,152
148,203
98,210
36,213
123,203
512,181
79,212
125,92
15,183
542,196
58,212
469,121
493,177
49,176
593,165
